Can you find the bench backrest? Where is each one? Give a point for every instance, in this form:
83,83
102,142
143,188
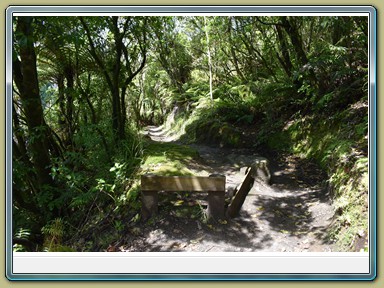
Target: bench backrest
152,182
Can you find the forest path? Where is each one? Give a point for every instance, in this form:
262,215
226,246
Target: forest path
290,215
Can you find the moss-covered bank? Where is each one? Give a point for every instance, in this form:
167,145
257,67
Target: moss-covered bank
337,141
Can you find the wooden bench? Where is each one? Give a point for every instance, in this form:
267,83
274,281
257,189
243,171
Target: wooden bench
214,185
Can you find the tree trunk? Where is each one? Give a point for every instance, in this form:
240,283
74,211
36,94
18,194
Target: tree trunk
286,60
31,102
296,39
69,76
209,59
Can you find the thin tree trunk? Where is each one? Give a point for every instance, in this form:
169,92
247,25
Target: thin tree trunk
69,76
209,59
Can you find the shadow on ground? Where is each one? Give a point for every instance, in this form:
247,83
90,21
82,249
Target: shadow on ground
292,214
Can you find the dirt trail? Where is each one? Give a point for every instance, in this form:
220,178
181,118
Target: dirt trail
290,215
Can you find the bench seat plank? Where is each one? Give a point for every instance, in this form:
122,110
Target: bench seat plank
182,183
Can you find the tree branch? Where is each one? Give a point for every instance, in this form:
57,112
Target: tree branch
94,53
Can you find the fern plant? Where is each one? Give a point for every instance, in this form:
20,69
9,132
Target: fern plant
23,234
53,233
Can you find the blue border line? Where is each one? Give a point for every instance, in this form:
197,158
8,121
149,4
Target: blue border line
374,156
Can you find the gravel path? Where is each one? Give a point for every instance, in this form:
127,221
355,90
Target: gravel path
289,215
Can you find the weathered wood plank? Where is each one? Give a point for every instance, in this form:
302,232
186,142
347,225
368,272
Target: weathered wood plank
239,198
149,201
182,183
216,205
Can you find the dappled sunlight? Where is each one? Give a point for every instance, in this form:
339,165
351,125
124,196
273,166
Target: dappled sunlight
91,116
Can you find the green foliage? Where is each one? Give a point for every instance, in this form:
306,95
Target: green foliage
130,150
53,232
299,83
21,233
235,112
118,225
91,152
194,91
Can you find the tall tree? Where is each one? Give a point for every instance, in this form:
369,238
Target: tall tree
40,140
129,49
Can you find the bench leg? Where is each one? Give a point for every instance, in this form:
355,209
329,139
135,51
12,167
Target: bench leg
216,203
149,201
